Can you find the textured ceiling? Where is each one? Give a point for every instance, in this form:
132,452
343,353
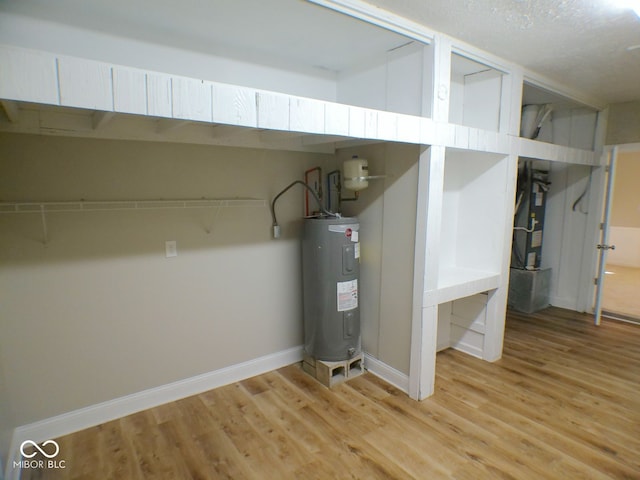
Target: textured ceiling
580,43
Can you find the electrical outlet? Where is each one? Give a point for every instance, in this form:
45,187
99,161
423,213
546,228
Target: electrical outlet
171,248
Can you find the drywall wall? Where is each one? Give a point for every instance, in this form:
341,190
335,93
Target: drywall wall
625,209
98,312
627,243
61,39
6,419
623,124
387,214
624,230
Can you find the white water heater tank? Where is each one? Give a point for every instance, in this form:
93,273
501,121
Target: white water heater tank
356,172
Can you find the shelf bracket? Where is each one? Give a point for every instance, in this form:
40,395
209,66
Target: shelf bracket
166,125
11,109
100,119
209,229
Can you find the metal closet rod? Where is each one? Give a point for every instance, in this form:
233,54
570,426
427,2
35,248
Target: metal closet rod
107,205
113,205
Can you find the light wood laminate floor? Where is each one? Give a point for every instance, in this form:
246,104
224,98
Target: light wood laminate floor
562,403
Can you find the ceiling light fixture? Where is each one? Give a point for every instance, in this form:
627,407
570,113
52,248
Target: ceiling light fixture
631,4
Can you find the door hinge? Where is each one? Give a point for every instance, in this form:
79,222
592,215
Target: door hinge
595,281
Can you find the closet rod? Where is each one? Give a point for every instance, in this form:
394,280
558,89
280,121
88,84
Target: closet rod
85,206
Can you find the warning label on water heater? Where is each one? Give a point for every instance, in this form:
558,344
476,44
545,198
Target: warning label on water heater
347,295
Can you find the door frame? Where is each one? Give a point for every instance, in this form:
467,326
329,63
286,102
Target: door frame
586,294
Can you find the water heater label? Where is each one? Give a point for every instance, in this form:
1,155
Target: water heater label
356,250
347,295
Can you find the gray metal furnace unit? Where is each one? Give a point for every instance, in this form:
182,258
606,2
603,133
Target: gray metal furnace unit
331,271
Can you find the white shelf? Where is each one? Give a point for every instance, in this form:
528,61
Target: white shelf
457,282
44,208
572,127
120,89
539,150
163,104
80,206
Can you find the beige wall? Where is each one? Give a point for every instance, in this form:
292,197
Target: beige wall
99,312
387,214
623,124
625,210
6,419
624,231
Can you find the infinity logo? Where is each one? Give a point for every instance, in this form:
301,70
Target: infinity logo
37,447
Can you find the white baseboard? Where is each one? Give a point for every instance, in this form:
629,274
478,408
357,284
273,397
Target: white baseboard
469,349
387,373
120,407
564,302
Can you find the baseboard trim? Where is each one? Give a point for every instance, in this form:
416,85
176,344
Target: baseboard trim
120,407
387,373
566,303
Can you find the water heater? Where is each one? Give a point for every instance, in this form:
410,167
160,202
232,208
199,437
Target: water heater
330,275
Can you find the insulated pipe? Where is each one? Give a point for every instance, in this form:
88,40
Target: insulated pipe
276,227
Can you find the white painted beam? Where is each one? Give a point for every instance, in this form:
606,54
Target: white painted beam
103,87
497,299
387,126
234,105
85,84
427,246
129,90
191,99
441,78
408,128
273,111
28,76
356,122
511,103
306,115
336,119
159,96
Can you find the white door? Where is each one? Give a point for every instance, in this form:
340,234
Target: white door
604,246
